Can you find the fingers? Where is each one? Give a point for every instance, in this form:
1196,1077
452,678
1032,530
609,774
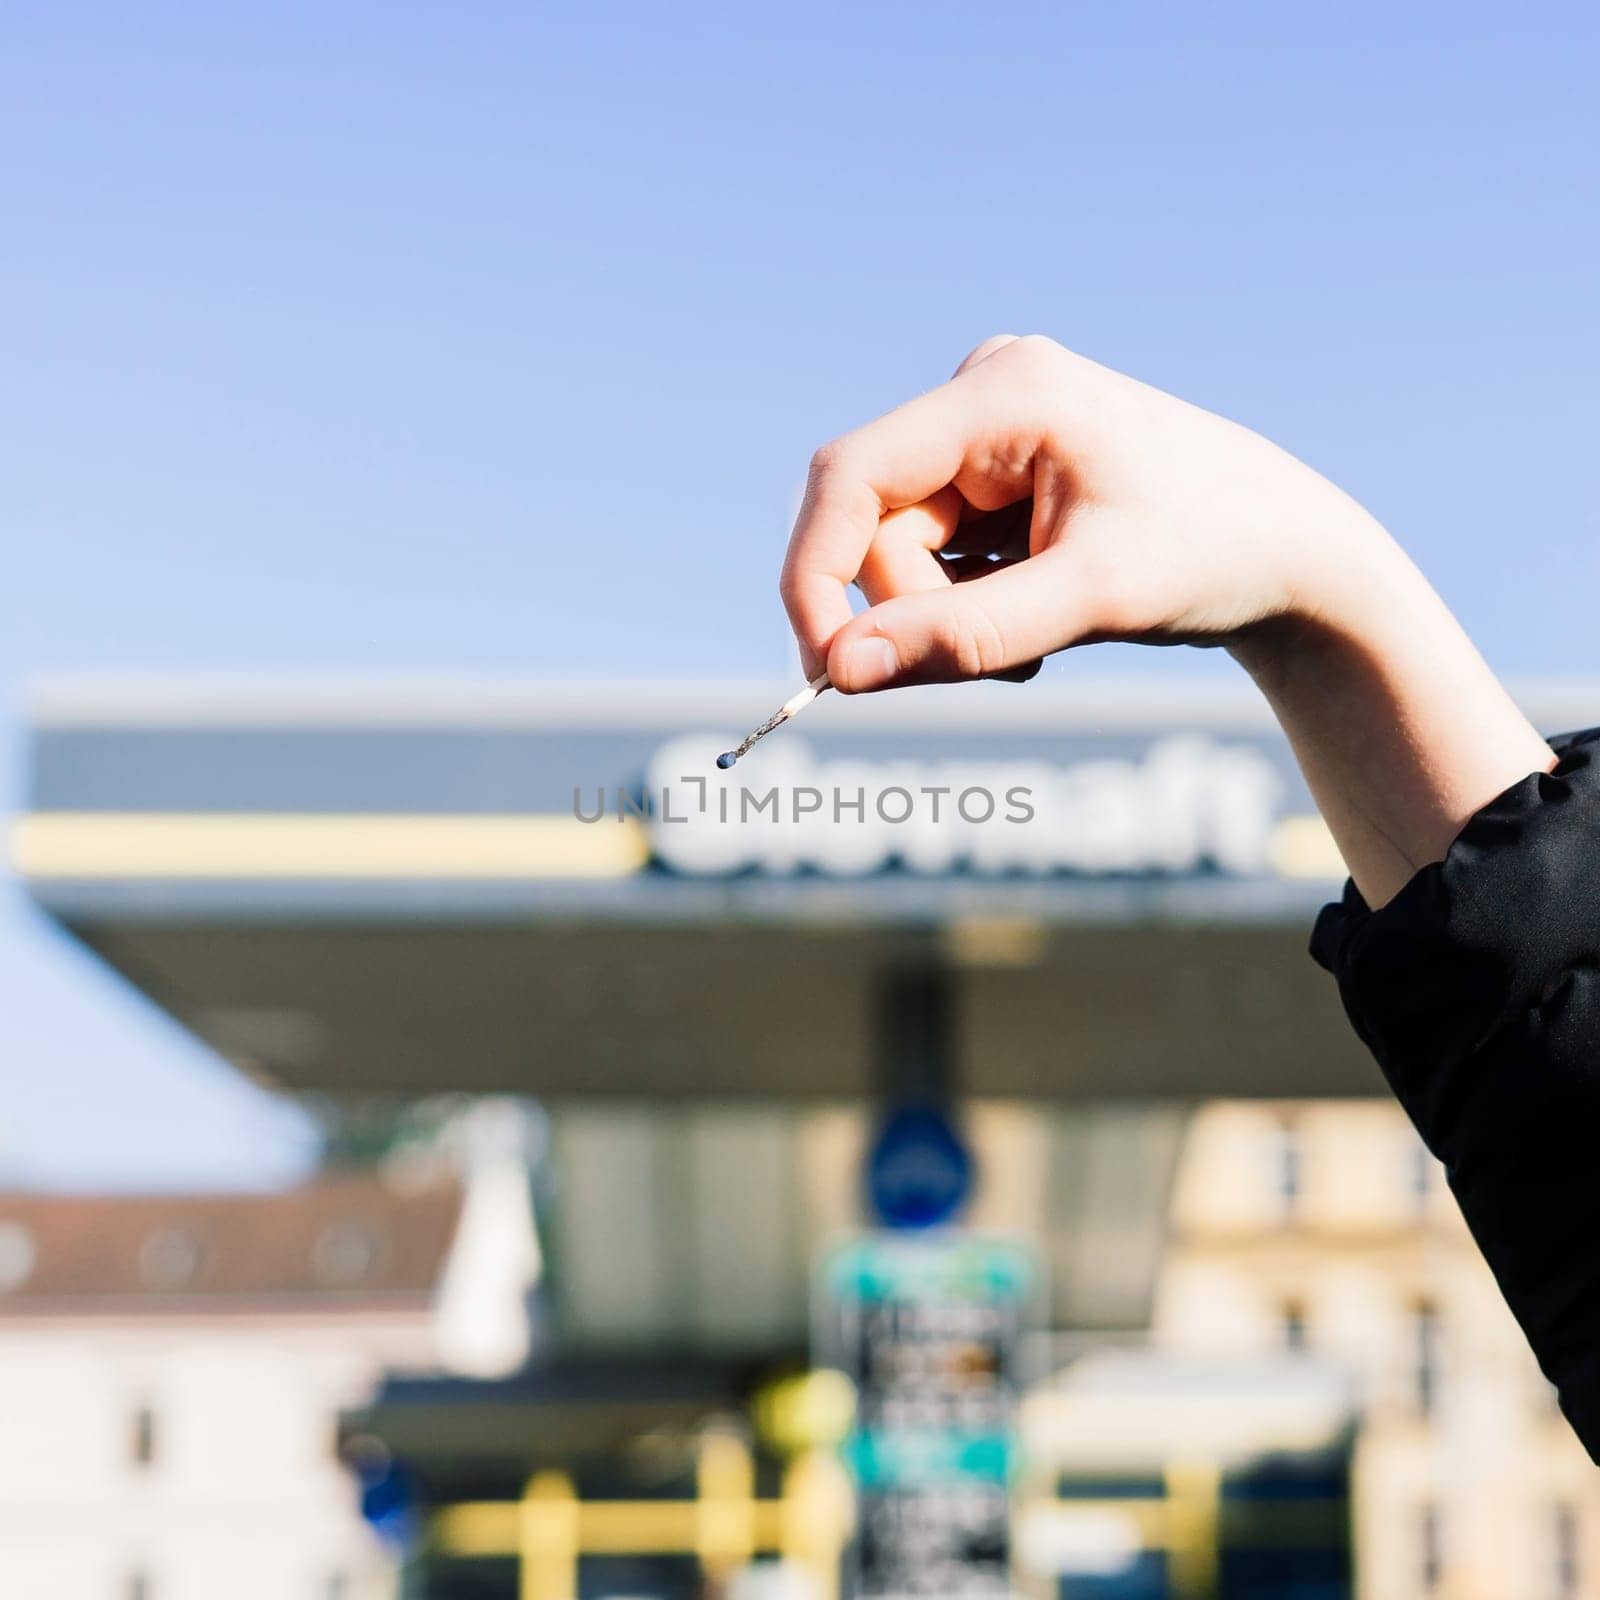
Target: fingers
998,624
966,432
898,460
966,569
900,559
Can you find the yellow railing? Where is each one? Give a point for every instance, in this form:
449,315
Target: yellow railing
1194,1506
1191,1523
724,1526
1184,1522
810,1523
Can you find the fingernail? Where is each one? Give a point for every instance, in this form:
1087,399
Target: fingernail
868,664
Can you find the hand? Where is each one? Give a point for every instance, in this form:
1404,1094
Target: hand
1038,501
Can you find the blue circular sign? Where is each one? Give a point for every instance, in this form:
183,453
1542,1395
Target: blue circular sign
919,1171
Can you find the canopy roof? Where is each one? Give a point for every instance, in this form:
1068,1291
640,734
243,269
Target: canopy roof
391,887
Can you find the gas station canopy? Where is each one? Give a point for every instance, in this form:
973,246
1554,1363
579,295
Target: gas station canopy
547,888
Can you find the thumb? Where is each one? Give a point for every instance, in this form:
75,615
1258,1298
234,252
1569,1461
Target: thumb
988,626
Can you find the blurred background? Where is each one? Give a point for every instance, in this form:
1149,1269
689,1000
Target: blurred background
431,1170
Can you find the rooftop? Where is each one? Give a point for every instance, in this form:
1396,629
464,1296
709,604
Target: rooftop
347,1241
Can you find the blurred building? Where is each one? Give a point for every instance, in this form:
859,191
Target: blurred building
1324,1231
173,1371
1068,915
1155,1474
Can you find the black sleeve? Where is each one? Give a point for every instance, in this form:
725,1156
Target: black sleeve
1478,990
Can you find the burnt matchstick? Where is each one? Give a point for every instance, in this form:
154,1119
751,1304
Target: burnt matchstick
792,707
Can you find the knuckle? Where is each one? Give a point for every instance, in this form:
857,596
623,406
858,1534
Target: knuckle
973,642
993,345
1045,364
1046,372
1037,351
1030,365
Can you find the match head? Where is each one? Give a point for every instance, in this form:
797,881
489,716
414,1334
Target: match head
726,759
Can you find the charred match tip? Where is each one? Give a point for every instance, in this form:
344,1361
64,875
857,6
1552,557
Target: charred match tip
790,707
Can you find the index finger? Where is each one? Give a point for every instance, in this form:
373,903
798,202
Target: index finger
898,460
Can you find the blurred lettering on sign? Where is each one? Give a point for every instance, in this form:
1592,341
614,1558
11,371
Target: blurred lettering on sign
1187,804
930,1330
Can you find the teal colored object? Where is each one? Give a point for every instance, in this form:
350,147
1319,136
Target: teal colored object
928,1456
963,1268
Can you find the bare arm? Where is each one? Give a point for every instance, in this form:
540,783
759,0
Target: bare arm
1400,728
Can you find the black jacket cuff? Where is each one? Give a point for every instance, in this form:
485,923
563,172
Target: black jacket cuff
1478,990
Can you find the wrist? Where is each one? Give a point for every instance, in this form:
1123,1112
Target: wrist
1355,595
1400,727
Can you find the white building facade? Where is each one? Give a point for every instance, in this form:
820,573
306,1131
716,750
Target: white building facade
173,1372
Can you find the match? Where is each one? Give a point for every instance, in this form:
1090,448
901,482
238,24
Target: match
792,707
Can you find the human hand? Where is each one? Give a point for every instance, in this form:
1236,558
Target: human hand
1038,501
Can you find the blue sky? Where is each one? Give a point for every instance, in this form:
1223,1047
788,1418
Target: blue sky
497,338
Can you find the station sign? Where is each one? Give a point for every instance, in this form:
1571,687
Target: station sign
1185,804
930,1329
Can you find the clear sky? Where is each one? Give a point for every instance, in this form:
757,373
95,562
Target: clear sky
496,337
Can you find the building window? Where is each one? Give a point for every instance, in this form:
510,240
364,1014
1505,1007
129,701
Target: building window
171,1259
142,1437
345,1252
1288,1169
18,1256
1292,1322
1568,1560
1430,1548
1426,1334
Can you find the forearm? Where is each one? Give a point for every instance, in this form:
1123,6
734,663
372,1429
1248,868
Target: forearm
1397,722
